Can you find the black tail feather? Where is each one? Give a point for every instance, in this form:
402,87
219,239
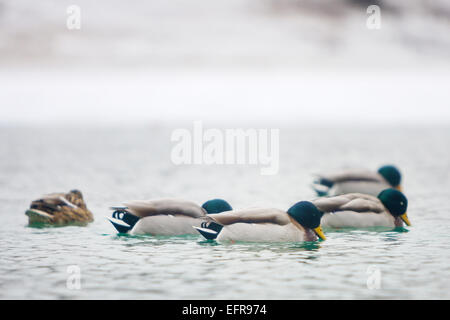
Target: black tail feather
123,221
213,226
209,230
121,228
126,217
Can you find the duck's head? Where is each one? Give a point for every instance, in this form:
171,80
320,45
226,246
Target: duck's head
76,193
392,175
396,203
307,215
216,206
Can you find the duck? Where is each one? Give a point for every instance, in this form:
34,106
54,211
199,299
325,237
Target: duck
300,223
163,217
358,181
359,210
59,209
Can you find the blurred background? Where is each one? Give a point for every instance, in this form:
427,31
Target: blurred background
248,61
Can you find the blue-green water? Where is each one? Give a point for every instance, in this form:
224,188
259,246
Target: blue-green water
111,165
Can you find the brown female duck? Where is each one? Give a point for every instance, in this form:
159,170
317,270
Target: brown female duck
60,209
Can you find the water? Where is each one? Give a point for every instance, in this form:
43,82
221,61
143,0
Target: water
114,164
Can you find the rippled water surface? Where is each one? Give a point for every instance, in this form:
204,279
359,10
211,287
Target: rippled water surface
111,165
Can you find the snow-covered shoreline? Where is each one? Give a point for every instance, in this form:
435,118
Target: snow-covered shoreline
309,97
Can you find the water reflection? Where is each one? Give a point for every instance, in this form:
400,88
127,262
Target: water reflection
305,245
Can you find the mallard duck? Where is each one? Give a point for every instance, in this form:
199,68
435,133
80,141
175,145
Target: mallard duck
362,210
300,223
59,209
360,181
167,217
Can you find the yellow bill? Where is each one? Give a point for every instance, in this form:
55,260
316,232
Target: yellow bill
319,233
405,219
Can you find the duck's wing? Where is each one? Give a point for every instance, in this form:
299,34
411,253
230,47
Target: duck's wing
251,215
144,208
355,202
51,202
345,179
53,198
349,175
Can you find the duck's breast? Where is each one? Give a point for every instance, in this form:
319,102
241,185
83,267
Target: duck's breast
261,232
166,225
342,219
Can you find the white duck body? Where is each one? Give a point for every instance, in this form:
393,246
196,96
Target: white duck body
261,232
355,210
166,225
351,181
357,220
260,225
167,217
